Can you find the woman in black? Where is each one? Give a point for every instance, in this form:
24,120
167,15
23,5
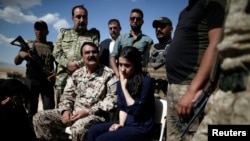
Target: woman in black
135,103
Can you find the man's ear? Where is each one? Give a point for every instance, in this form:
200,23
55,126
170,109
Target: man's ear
171,28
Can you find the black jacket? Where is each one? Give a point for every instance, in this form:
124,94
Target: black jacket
104,52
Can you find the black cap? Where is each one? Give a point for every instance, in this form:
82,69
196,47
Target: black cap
40,24
160,21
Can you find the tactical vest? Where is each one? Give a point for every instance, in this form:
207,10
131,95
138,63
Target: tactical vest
157,70
156,64
44,52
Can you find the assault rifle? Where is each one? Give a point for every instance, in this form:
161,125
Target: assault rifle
199,105
33,53
160,65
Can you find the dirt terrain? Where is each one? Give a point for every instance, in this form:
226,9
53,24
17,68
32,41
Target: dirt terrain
4,72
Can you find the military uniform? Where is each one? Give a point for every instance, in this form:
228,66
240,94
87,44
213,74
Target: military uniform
95,93
230,104
156,69
36,78
67,49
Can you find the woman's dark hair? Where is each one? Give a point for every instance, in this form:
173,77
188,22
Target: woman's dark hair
135,82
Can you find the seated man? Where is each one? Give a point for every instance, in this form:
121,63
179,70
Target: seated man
14,120
90,93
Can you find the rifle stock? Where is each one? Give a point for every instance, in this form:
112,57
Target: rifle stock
21,42
35,57
160,65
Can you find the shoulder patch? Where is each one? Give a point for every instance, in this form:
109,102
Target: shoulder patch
64,29
30,41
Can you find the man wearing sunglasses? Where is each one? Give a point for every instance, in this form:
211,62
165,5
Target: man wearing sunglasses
133,38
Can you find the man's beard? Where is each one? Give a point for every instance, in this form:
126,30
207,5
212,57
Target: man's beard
136,28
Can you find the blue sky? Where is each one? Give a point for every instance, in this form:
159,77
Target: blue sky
17,18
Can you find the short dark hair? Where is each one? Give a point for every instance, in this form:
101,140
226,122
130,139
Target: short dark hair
91,44
137,10
79,6
40,24
114,20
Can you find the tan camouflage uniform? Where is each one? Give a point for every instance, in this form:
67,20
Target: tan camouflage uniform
67,49
96,93
231,103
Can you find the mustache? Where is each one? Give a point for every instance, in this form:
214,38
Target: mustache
92,58
159,33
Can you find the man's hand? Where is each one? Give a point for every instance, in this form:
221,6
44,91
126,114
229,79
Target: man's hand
5,101
72,66
185,105
79,114
52,78
66,118
24,55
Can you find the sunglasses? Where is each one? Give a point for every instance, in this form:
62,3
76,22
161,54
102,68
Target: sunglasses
137,18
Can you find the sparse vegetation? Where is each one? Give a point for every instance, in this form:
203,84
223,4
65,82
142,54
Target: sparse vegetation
12,73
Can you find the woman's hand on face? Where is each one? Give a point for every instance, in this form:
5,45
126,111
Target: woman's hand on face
123,80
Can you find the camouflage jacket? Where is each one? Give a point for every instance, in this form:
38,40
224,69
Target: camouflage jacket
96,93
67,49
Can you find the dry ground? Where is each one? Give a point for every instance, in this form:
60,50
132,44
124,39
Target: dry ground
4,71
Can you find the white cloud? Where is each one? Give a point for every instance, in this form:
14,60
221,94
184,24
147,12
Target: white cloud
15,16
62,23
50,18
4,41
25,4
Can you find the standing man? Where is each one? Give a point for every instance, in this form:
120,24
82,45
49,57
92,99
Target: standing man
230,104
89,95
134,38
190,59
37,81
156,66
67,48
107,45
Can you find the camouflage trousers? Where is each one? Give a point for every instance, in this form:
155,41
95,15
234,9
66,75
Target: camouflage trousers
59,92
48,125
175,124
225,108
